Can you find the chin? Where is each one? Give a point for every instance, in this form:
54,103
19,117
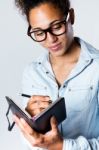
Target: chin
59,53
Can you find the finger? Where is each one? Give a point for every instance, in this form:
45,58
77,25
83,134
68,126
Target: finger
27,131
38,104
37,111
34,112
23,125
39,97
26,128
17,121
54,124
32,136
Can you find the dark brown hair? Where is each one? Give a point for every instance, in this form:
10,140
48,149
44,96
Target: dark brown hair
26,5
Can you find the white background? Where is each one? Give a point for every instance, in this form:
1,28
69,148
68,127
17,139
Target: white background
16,50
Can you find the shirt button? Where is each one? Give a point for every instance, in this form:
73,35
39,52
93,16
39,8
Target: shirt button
64,86
39,63
45,88
91,87
47,72
69,90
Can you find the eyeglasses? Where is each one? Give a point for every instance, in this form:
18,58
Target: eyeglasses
57,28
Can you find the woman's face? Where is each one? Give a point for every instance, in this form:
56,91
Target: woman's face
41,17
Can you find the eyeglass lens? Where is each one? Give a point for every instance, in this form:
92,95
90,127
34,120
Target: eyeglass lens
56,29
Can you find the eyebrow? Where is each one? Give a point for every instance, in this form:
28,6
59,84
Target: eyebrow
38,28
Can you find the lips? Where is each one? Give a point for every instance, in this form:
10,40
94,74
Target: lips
55,47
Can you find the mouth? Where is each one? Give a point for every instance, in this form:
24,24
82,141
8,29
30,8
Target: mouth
55,47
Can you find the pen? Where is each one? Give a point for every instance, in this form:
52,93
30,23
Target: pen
25,95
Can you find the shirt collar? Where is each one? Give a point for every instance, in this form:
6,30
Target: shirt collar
88,52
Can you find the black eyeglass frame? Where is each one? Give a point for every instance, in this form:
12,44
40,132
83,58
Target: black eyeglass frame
48,30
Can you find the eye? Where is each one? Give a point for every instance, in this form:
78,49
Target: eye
38,33
57,26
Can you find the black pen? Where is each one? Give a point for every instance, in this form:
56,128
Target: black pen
25,95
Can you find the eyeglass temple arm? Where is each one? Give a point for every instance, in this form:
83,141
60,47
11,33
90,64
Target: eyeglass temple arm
28,31
10,126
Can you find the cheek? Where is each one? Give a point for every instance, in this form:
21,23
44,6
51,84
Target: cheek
68,37
43,44
63,39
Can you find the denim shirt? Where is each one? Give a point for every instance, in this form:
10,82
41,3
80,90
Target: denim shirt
80,130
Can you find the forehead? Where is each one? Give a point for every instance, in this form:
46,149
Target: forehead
43,15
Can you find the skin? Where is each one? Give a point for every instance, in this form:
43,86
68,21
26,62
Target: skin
62,59
42,16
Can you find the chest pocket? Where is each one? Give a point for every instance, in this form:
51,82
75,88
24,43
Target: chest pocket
79,97
39,90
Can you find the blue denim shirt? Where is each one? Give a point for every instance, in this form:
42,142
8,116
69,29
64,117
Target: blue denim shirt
80,130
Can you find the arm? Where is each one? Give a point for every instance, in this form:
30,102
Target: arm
81,143
52,139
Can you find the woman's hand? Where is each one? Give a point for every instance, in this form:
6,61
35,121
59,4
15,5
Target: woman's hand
50,140
37,103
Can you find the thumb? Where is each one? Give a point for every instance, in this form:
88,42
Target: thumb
54,124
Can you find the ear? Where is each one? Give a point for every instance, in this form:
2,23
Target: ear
72,16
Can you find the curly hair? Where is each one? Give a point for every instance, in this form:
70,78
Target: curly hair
26,5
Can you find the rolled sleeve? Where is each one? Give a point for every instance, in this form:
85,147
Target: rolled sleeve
81,143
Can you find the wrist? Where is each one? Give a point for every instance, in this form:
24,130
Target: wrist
57,145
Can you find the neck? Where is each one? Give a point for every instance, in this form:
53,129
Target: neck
71,55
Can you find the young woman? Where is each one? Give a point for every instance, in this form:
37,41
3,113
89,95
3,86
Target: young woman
69,69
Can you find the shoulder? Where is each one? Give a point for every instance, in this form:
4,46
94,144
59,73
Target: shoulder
90,52
92,49
93,52
33,66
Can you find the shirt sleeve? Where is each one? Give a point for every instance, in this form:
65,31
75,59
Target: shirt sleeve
26,85
27,88
81,143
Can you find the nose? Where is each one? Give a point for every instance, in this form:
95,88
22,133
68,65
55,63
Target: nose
51,38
